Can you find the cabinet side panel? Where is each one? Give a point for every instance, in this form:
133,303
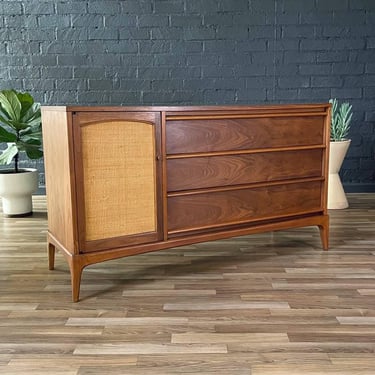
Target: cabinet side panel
58,176
119,178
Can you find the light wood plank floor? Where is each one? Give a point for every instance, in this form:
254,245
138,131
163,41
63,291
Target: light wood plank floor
265,304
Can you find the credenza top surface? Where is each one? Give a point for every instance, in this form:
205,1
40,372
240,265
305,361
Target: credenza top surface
311,107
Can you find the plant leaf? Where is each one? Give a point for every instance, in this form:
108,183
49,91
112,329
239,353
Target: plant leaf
34,153
10,104
32,147
26,101
32,115
5,136
8,154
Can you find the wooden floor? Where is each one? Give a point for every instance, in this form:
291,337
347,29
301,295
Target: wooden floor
265,304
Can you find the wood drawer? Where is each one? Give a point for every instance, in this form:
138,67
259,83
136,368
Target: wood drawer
215,209
225,170
208,135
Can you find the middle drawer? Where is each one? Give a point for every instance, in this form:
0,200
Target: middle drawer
226,170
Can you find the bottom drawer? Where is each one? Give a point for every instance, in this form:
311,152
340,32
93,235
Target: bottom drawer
216,209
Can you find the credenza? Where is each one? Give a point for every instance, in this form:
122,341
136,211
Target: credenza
122,181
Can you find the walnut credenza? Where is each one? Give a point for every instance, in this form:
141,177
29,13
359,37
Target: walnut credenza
128,180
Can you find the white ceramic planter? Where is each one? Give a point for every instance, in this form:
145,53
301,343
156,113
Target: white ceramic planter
16,190
336,194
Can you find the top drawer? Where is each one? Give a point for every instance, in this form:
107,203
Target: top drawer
209,135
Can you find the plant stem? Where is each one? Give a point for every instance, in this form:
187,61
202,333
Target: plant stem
16,163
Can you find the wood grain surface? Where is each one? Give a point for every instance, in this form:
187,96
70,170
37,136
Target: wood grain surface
215,209
203,172
188,136
265,304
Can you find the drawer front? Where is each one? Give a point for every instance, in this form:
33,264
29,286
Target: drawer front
215,209
208,135
213,171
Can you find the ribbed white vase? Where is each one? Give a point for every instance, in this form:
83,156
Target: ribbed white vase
16,191
336,194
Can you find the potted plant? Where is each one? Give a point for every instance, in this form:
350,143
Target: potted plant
339,144
20,131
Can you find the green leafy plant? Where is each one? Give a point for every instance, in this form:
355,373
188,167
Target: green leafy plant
340,120
20,127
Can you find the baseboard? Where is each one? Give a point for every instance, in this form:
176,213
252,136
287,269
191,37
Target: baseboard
359,187
41,190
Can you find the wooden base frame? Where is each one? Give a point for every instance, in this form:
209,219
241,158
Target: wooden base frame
78,262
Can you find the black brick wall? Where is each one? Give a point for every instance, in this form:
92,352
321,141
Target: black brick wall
135,52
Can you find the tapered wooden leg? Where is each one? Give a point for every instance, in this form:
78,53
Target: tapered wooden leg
324,233
51,256
76,269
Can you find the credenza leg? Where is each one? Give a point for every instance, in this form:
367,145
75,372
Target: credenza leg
51,256
76,269
324,234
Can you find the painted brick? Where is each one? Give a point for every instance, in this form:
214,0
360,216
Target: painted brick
185,73
233,6
202,6
327,81
155,20
299,57
314,94
120,46
132,33
10,7
186,20
293,82
38,7
219,96
157,46
103,34
100,84
263,5
71,7
215,46
347,93
259,82
120,20
354,18
298,31
87,72
232,32
315,69
199,33
316,18
332,56
251,96
136,6
254,18
316,45
169,7
169,33
104,7
348,68
87,20
297,5
20,21
78,33
219,19
50,21
332,5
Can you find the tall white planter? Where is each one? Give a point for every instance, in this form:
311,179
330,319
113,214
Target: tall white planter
336,194
16,191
